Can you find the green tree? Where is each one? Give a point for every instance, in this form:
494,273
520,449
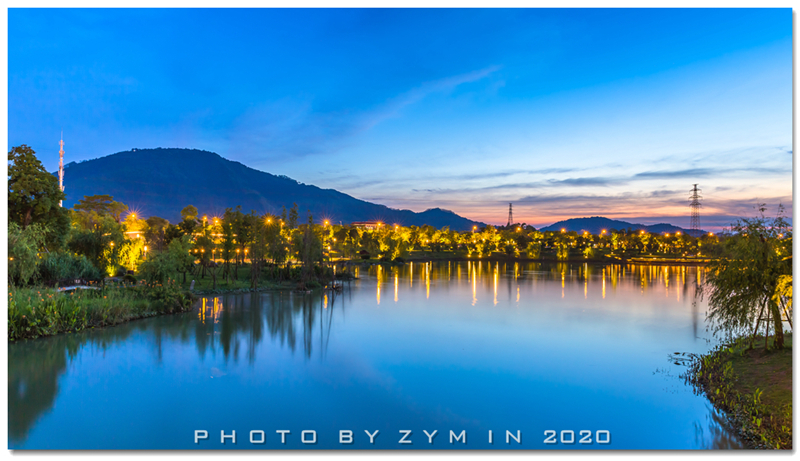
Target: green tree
34,196
101,243
23,251
189,212
310,251
158,267
294,216
534,249
181,251
155,231
741,285
103,205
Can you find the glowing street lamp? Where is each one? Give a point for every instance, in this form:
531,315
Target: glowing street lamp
326,223
563,230
603,231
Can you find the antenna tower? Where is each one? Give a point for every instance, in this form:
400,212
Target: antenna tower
694,225
61,167
510,215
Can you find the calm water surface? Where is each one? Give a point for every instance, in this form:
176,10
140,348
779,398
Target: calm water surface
473,347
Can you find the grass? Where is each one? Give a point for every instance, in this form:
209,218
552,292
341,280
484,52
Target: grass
35,312
753,386
767,371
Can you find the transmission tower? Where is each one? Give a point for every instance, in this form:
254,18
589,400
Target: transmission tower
510,215
61,167
694,225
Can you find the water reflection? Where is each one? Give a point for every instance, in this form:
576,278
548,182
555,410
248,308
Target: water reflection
227,325
448,321
716,433
674,281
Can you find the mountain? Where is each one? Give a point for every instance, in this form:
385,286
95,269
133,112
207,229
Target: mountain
161,182
595,224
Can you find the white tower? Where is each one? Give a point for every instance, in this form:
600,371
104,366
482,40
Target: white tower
61,167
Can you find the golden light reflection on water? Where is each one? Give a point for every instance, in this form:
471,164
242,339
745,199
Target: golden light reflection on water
495,283
604,283
379,285
474,286
599,282
427,280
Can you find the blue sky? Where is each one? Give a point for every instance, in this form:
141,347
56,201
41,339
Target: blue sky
565,113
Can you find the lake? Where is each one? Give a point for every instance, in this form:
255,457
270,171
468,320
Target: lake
545,356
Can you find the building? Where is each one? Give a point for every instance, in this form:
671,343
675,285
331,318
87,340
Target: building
371,225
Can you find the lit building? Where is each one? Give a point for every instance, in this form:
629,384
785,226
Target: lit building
371,225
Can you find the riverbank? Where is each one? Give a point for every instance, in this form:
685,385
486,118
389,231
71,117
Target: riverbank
753,387
432,256
37,312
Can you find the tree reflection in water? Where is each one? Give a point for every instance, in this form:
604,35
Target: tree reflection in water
217,325
718,435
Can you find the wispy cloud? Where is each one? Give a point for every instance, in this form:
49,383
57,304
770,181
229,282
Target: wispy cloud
293,127
704,172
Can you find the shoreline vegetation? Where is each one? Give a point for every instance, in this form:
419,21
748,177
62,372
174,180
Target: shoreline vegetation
37,311
752,386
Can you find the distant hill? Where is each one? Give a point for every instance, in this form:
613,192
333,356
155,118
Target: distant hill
596,224
160,182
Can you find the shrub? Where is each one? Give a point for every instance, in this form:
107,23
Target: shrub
63,267
158,267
